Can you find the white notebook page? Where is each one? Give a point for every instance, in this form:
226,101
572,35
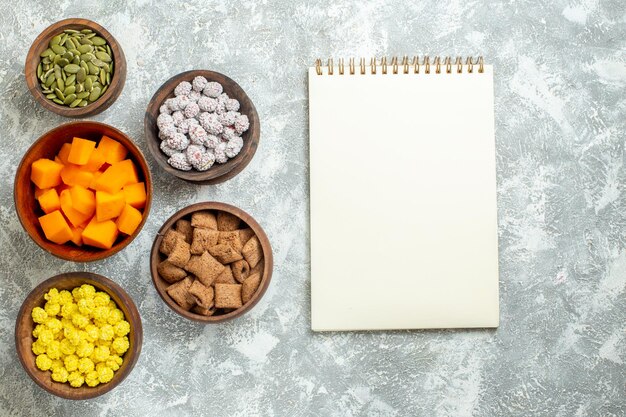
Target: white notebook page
403,200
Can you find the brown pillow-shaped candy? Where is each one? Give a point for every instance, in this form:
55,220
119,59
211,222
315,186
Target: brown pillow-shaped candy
241,270
180,293
168,241
226,277
249,287
179,255
203,311
231,239
184,228
202,295
252,251
258,269
227,295
245,235
205,267
225,254
204,219
203,239
226,221
170,273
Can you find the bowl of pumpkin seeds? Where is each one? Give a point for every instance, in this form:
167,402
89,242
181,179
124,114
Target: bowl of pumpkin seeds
75,68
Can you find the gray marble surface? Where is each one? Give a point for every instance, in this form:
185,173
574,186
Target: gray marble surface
560,122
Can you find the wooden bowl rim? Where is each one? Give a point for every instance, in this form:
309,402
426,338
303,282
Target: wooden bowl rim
109,287
50,247
212,176
246,218
117,81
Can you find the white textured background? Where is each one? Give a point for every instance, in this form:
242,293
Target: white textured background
560,123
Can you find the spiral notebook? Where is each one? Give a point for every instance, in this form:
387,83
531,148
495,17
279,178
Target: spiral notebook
403,194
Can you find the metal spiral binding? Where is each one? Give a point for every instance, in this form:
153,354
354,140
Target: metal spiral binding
395,66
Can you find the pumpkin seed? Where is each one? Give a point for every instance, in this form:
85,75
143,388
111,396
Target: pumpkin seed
63,62
88,84
71,31
87,57
108,78
55,40
93,69
104,90
75,102
90,35
80,88
97,40
86,41
103,76
39,70
50,79
71,80
56,59
83,103
83,49
69,99
57,49
109,50
57,101
46,60
72,68
51,96
59,93
46,53
83,95
95,93
76,60
81,74
69,90
60,84
69,44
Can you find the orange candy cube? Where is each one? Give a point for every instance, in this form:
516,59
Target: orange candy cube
83,200
80,151
75,175
49,201
135,194
129,220
55,227
113,150
46,173
109,206
117,176
75,217
100,234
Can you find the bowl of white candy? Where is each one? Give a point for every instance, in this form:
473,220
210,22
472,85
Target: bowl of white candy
202,127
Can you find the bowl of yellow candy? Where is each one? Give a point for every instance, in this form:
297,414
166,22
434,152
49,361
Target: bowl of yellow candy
78,335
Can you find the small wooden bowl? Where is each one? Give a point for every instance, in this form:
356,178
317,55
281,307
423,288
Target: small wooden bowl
41,44
24,326
219,172
156,257
47,146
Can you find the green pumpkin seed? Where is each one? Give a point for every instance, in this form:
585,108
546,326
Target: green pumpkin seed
75,102
76,60
103,56
81,74
63,62
74,52
60,84
83,103
56,59
59,93
90,35
51,96
80,88
69,44
95,93
86,41
104,90
83,95
46,53
108,78
50,79
88,84
55,40
97,40
69,90
39,70
103,76
69,99
58,101
87,57
86,30
109,50
85,49
72,68
57,49
70,80
71,31
46,60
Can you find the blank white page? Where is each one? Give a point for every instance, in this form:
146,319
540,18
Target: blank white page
403,200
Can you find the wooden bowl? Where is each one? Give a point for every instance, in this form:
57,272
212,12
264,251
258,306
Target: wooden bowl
24,326
219,172
41,44
47,146
156,257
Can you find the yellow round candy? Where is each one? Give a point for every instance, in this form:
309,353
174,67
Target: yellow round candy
122,328
37,329
38,348
120,345
56,364
114,362
43,362
91,378
85,365
60,375
72,335
76,379
84,349
93,333
46,336
68,310
88,291
77,293
100,354
85,305
101,313
71,362
53,349
52,309
105,374
52,295
65,297
67,348
54,324
115,316
39,315
101,299
79,320
107,332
